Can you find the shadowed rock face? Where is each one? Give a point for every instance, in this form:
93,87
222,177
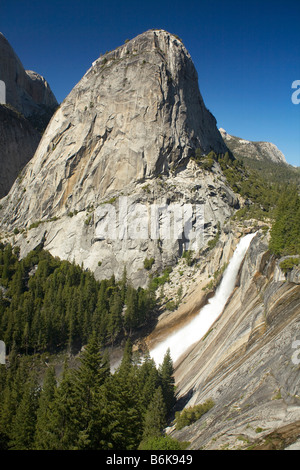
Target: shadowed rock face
26,91
18,142
27,104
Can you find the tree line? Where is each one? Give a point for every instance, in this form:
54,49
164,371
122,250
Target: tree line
88,407
47,304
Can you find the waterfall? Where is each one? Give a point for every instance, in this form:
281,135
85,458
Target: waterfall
181,340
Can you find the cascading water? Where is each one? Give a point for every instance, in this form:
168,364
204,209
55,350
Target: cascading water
180,341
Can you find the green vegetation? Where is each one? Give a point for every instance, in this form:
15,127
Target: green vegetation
258,430
206,162
285,233
189,415
110,201
271,192
87,407
171,305
148,263
157,281
88,220
35,224
278,173
260,193
277,395
163,443
47,304
288,264
188,256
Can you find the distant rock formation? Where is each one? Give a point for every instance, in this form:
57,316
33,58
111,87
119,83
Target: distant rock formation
26,106
26,91
256,150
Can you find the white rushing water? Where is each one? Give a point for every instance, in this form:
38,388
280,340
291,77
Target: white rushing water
181,340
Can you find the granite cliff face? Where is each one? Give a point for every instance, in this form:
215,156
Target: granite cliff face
127,129
27,103
248,363
255,150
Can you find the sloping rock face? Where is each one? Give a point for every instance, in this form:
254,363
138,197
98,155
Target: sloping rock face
127,129
248,363
18,142
255,150
26,91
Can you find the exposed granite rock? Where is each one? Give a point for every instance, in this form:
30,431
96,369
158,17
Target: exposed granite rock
256,150
76,236
18,142
247,364
128,128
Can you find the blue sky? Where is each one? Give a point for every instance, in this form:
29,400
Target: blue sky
247,53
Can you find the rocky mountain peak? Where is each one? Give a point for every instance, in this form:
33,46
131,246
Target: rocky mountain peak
256,150
128,128
136,113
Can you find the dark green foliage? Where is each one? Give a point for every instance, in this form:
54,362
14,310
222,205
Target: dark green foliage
288,264
278,173
47,304
271,192
163,443
192,414
166,374
24,422
45,408
155,417
86,407
188,256
171,305
260,183
160,280
148,263
51,305
285,233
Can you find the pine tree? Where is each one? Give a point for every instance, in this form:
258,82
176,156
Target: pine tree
45,409
166,373
155,417
123,405
16,378
115,317
24,422
88,379
131,312
148,380
63,426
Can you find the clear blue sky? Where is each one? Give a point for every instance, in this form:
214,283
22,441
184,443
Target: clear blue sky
247,53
